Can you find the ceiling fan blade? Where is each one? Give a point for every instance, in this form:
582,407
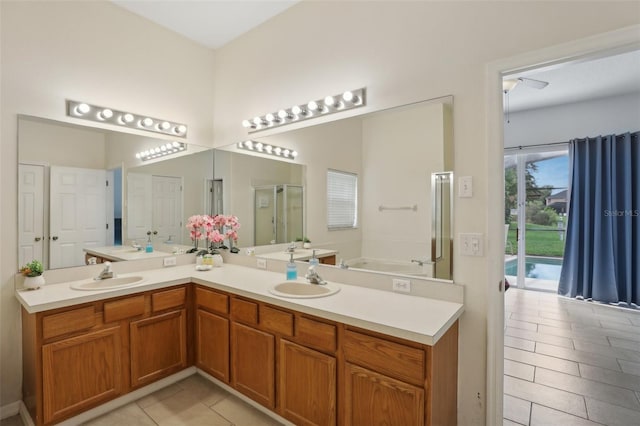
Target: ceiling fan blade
536,84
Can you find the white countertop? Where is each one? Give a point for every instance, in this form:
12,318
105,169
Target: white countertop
414,318
120,253
299,254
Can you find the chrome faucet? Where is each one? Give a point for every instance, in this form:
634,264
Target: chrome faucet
343,265
419,262
291,248
313,277
136,246
106,273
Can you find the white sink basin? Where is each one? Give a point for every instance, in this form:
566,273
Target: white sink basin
303,290
108,283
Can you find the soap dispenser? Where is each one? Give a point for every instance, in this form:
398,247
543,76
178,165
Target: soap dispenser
314,260
292,271
149,247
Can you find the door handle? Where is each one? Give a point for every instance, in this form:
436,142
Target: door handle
54,238
37,239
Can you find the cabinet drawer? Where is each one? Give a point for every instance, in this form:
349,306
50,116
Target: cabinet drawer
125,308
213,300
244,311
68,322
168,299
316,334
276,320
396,360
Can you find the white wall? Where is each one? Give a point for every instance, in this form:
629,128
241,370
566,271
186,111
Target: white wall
93,51
405,52
400,149
561,123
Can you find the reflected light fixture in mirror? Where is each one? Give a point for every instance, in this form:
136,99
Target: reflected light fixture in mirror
315,108
100,114
162,150
276,151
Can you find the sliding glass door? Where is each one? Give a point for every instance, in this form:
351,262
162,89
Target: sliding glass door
536,196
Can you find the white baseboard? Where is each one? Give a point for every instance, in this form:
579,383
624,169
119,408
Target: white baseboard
10,410
25,416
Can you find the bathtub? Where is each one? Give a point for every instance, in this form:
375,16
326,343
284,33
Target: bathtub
392,266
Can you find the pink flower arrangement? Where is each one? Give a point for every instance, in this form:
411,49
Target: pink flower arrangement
212,228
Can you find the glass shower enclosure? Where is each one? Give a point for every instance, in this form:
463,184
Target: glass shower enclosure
278,213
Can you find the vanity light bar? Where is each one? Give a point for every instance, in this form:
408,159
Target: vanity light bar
264,148
100,114
160,151
328,105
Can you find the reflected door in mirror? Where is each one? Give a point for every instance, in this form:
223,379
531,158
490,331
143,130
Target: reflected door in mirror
31,214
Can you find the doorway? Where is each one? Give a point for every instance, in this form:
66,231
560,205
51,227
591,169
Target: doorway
278,214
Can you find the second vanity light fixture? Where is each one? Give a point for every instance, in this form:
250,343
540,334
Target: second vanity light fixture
161,150
330,104
268,149
100,114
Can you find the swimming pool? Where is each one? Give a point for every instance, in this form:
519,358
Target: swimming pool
543,268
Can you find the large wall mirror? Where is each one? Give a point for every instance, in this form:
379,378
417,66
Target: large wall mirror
360,189
82,188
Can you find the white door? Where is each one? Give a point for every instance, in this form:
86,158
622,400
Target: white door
139,217
77,215
167,208
30,213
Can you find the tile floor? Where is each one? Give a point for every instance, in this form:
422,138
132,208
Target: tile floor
570,362
193,401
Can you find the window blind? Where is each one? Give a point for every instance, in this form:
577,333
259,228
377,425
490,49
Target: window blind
342,199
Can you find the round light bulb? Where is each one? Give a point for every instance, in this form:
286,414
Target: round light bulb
147,122
240,145
270,117
157,149
312,105
329,101
257,121
106,114
176,144
277,150
285,152
82,109
163,148
296,110
146,153
137,155
127,118
268,148
294,154
248,144
246,124
283,114
180,129
165,125
259,146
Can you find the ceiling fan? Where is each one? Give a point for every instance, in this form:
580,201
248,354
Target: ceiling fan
509,85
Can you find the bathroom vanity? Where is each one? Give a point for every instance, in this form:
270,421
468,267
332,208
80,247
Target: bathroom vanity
359,356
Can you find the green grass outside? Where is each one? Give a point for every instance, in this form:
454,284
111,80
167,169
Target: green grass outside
541,241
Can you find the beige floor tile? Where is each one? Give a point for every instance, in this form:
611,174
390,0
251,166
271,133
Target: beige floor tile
130,415
519,370
516,409
578,356
522,324
540,337
608,332
591,335
11,421
183,409
239,413
635,320
630,367
518,343
507,422
545,416
544,395
604,375
609,351
202,390
624,343
159,395
549,362
611,415
601,391
541,320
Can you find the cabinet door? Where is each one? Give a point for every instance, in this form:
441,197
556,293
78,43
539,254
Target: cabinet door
212,344
167,335
374,399
307,385
253,363
81,372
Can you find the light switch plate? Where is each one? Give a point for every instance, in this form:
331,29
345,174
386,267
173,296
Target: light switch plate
261,263
403,286
471,244
169,261
465,186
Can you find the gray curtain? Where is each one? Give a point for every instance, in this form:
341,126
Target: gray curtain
602,249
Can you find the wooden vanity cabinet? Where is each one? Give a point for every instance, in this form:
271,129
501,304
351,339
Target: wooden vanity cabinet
212,333
79,357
